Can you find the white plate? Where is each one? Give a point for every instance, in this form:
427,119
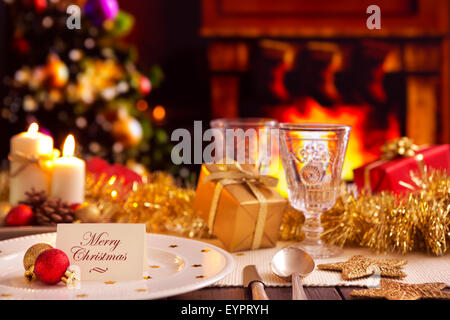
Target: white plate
176,265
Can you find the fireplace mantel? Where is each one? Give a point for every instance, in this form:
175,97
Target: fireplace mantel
418,28
324,18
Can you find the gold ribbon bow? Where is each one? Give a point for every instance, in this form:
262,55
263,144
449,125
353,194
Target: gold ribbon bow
25,160
234,173
400,147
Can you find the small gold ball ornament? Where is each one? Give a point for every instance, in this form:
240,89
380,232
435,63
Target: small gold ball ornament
89,213
57,71
127,131
30,258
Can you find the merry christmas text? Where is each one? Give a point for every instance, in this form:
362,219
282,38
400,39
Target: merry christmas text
83,251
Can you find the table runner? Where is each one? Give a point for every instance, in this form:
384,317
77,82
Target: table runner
421,268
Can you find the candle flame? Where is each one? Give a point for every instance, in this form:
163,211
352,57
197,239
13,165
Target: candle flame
33,128
69,146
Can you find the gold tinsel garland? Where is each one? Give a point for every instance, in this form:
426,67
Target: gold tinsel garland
291,225
383,222
386,222
158,202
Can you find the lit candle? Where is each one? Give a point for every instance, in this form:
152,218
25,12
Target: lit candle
30,167
68,175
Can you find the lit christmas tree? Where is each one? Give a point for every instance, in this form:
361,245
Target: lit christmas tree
81,80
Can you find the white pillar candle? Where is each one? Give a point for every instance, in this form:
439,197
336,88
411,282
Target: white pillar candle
68,175
26,149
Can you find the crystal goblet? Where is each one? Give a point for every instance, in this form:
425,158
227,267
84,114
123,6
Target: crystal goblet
312,157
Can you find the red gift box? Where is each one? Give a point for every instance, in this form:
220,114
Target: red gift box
395,175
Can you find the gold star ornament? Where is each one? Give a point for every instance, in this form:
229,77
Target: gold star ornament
394,290
359,266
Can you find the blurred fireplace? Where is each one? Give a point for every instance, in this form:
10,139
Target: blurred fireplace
327,82
298,60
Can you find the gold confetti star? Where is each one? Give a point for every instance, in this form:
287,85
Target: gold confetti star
394,290
359,267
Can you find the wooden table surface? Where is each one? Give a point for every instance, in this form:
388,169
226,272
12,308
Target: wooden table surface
274,293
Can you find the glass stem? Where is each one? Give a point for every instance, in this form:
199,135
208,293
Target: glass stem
313,230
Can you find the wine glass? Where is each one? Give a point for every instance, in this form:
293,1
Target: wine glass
312,157
249,141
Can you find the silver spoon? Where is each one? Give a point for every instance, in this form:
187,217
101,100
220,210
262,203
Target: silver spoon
294,263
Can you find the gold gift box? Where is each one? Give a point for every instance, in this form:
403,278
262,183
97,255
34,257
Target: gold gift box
234,211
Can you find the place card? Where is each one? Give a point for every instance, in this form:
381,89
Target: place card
104,251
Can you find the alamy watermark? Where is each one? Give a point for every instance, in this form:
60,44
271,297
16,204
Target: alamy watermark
225,145
374,20
74,19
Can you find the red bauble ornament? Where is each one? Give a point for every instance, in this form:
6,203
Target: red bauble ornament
21,215
40,5
145,86
21,45
51,265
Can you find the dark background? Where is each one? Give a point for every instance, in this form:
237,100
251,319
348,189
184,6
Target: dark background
166,33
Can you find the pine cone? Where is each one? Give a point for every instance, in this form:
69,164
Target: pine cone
34,199
54,211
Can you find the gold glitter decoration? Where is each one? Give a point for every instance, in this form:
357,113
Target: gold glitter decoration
206,250
6,295
386,222
158,202
141,290
359,266
81,295
147,277
33,252
30,258
154,267
110,282
393,290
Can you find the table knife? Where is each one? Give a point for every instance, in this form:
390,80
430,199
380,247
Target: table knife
253,280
